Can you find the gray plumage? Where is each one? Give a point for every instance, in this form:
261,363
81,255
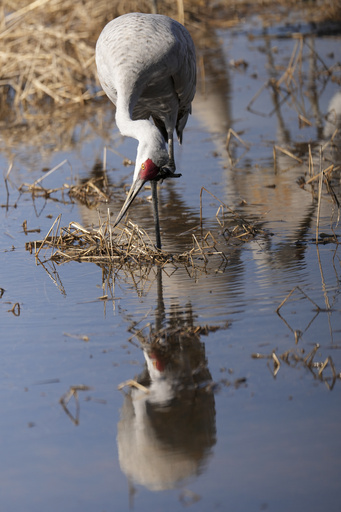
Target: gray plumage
146,65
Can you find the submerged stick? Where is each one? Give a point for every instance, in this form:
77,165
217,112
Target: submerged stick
319,201
288,153
48,173
6,180
57,221
289,295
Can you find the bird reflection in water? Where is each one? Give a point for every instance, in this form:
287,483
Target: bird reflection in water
167,426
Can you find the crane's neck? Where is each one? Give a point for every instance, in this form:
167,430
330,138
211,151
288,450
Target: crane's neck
151,143
126,125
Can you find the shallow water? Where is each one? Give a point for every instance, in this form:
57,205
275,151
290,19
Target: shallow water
223,429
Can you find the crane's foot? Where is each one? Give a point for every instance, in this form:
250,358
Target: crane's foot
165,173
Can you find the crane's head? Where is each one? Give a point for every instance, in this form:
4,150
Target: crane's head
148,171
151,156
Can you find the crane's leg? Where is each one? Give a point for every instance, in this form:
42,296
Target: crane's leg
171,164
156,213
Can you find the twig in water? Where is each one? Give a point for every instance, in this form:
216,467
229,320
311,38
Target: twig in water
39,180
133,384
289,295
319,199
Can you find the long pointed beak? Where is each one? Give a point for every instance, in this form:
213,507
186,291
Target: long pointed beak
134,190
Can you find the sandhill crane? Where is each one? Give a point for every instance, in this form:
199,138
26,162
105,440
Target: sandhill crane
147,67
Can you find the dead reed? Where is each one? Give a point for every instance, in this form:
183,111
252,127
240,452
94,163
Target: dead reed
319,162
297,357
92,192
49,91
48,79
129,245
47,46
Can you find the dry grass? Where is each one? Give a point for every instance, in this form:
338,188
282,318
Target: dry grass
47,62
47,46
91,192
297,357
323,369
48,79
131,244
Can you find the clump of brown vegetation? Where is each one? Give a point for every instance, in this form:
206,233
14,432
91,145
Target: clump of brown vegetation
48,78
102,245
295,357
47,46
131,244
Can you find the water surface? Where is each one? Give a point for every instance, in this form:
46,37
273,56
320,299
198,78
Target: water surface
220,428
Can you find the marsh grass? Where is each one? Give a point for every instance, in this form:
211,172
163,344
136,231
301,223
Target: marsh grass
48,79
130,244
47,46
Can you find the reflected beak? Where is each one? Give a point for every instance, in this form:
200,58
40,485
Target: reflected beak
134,190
